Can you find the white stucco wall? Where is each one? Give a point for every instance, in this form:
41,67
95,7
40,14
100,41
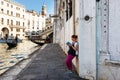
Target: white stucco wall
86,32
114,31
95,40
56,22
110,69
87,39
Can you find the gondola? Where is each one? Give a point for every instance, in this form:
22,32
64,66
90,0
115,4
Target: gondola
37,42
11,43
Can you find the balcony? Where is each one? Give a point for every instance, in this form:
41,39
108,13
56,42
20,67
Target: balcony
17,26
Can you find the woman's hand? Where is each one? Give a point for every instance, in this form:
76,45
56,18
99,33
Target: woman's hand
75,48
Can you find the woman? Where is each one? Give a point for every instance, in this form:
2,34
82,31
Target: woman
72,52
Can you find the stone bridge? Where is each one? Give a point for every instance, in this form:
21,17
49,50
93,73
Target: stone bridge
47,34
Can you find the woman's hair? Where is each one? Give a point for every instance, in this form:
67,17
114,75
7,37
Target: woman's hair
74,36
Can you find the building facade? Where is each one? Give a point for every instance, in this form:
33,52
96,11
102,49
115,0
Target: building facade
96,23
16,21
66,23
12,19
49,23
34,23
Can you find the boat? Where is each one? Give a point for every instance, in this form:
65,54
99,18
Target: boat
2,41
38,42
11,43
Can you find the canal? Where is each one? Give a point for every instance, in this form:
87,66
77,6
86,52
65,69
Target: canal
9,58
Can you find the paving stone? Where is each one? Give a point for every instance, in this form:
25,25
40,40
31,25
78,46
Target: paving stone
49,64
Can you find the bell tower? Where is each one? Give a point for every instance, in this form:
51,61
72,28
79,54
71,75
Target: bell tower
44,12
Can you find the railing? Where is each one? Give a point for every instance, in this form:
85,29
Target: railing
17,26
47,29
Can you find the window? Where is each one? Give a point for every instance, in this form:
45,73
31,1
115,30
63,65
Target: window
68,9
2,2
7,21
23,24
2,10
48,28
11,29
23,16
63,5
7,5
11,6
11,22
11,13
17,15
2,21
23,30
19,23
17,8
7,12
11,34
28,23
18,30
66,15
16,22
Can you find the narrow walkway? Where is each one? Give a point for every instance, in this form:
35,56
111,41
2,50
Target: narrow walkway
47,65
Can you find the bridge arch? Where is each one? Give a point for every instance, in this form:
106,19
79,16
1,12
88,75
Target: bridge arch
49,38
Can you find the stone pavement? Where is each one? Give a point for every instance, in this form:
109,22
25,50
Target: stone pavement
49,64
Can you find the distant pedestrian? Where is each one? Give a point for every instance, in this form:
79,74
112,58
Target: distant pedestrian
6,36
72,52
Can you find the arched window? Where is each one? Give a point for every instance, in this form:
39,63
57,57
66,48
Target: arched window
68,9
2,20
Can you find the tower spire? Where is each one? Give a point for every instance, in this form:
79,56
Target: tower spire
44,9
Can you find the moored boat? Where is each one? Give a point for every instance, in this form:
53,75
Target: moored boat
11,43
38,42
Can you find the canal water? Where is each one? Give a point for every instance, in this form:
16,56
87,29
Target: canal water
9,58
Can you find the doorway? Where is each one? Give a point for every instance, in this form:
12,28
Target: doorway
5,32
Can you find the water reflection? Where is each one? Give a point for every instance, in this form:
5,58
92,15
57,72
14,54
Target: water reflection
10,57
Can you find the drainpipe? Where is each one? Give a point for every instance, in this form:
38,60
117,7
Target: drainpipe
97,35
74,16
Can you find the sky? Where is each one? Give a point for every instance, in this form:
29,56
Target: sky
37,5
